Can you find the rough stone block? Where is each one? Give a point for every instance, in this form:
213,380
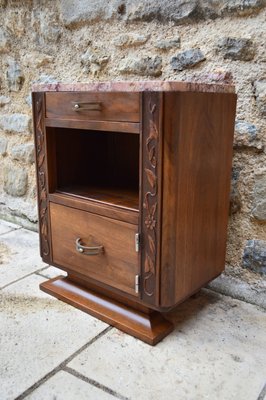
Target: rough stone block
167,44
15,77
15,180
259,197
239,7
182,12
253,292
17,123
77,12
187,59
146,66
260,95
94,62
237,49
4,100
131,39
4,41
23,152
3,146
246,135
20,210
254,256
169,10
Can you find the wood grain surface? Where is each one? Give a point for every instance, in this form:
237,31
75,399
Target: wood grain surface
197,160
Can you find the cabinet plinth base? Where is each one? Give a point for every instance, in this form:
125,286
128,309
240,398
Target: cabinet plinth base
150,327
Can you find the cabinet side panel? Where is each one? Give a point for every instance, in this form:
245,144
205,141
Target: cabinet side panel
38,104
197,160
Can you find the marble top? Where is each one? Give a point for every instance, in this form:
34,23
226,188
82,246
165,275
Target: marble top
212,83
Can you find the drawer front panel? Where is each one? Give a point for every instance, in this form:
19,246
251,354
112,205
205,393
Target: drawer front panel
117,265
93,106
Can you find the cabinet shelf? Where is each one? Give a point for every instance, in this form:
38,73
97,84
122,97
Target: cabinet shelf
120,197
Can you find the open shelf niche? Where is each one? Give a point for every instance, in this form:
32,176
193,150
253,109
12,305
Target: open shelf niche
96,165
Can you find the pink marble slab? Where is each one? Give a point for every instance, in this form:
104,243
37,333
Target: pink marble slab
216,84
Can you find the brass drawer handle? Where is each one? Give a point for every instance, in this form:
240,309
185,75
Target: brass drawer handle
81,106
88,250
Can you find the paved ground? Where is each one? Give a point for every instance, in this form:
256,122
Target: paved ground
51,351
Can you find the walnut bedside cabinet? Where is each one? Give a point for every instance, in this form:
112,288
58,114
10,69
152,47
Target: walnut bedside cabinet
133,194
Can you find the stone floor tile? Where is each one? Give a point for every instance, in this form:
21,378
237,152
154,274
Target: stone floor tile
64,386
52,272
19,255
217,351
28,288
37,334
6,226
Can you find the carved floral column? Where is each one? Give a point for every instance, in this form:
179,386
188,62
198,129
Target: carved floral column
151,195
41,172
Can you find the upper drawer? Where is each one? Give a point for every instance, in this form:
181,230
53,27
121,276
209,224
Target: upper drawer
93,106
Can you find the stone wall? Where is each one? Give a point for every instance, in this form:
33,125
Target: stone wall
91,40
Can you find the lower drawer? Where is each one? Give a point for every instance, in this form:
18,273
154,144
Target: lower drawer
116,262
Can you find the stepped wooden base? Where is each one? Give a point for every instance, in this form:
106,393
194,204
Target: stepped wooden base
150,327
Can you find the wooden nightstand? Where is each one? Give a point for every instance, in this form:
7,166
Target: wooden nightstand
133,194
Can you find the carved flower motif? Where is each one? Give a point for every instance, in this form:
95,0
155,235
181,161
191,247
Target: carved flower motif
150,222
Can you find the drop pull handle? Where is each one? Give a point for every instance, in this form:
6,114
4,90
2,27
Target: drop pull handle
86,106
88,250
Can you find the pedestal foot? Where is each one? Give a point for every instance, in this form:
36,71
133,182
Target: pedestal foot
150,327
